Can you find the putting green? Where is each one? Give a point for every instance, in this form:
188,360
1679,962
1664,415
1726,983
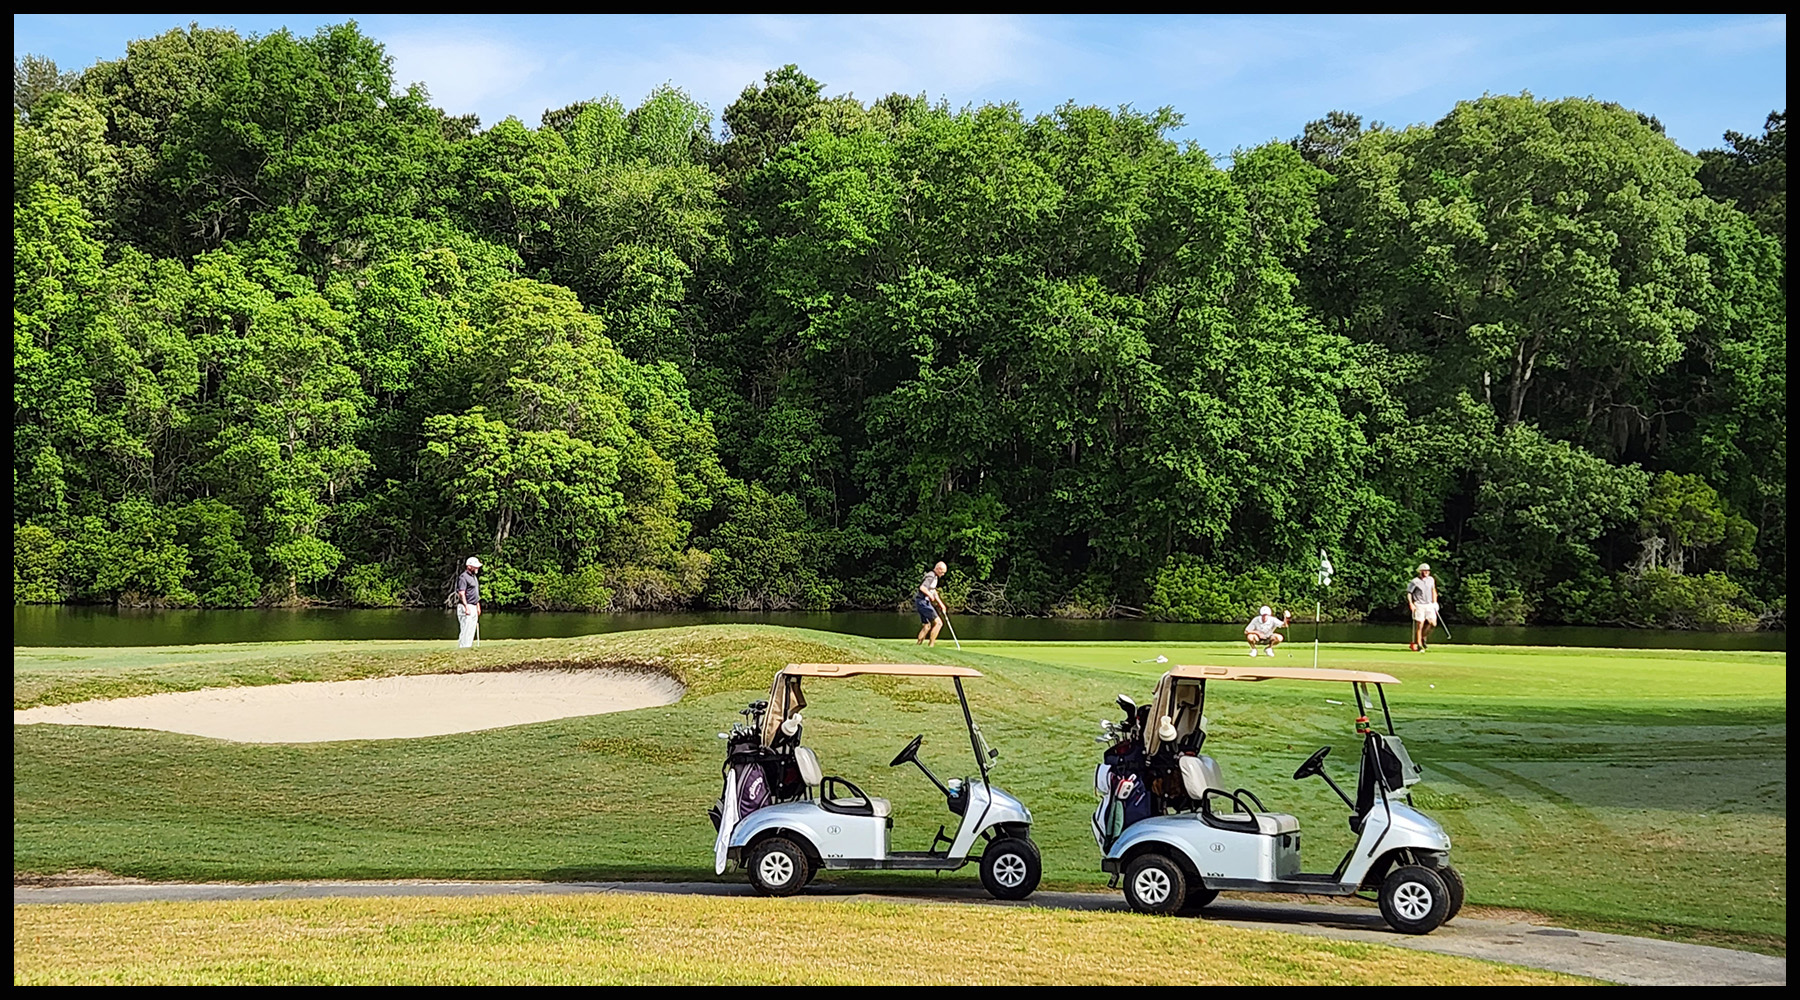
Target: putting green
1618,789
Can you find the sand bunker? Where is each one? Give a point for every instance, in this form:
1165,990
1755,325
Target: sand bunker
385,708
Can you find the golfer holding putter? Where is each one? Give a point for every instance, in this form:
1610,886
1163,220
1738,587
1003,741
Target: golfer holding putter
1422,598
930,606
1261,630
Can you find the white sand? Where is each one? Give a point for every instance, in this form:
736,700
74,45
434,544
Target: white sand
385,708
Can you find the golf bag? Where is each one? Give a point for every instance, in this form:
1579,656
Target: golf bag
752,787
1127,796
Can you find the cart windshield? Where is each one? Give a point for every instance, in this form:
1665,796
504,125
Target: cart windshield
786,698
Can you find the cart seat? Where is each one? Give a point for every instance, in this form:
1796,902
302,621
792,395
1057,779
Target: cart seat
855,804
1201,774
1266,823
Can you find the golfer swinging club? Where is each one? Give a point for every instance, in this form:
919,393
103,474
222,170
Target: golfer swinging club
1261,630
1422,597
930,606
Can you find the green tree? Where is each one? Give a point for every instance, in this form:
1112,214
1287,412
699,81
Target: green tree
1753,173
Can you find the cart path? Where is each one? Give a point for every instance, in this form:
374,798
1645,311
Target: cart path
1616,958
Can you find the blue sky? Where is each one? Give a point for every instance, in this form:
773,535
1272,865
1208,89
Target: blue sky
1238,80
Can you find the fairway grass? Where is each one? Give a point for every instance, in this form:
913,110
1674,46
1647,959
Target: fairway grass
681,940
1638,791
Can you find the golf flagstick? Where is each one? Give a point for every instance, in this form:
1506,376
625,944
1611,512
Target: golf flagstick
1324,579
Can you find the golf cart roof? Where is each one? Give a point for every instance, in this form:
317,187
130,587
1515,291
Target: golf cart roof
1211,673
890,669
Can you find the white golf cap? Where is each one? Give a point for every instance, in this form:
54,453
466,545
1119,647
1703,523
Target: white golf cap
1266,611
473,563
1425,566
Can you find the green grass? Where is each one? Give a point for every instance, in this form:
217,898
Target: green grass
1635,790
663,940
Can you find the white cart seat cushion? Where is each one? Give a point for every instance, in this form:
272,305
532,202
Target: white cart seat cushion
809,766
880,806
1266,823
1199,773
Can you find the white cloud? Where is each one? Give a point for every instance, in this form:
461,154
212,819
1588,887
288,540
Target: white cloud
467,75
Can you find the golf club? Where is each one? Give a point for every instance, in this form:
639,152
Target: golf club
1441,625
952,629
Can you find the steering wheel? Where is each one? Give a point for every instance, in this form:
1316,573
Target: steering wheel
908,753
1313,765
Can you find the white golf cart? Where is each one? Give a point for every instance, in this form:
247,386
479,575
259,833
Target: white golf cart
1195,836
783,819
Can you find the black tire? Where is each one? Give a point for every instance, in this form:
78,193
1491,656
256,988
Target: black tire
1155,884
1453,881
1198,896
1011,868
1414,899
778,867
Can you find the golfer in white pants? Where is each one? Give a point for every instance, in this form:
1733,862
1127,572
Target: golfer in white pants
468,603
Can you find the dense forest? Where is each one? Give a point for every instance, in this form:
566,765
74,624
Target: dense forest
284,333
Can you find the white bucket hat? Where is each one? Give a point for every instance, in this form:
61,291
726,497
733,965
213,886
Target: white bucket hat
1266,612
473,563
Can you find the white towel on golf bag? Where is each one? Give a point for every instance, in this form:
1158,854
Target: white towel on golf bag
728,817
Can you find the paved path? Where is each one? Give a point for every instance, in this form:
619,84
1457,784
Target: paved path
1614,957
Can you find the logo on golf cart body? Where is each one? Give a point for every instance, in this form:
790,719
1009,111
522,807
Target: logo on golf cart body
1217,848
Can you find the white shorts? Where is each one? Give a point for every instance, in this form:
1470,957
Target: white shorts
1425,612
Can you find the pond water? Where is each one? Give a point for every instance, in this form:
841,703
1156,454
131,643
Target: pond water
39,625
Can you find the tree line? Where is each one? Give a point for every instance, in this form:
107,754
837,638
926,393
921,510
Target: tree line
285,332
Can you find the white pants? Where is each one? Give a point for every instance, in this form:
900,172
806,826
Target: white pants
466,619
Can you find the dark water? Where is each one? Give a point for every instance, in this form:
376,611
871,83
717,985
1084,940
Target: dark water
105,626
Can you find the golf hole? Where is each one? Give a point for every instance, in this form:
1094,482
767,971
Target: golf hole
382,708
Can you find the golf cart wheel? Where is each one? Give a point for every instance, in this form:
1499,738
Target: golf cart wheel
1010,868
1155,884
778,867
1198,896
1453,881
1414,900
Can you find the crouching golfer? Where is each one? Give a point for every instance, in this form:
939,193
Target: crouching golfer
1261,631
1422,598
930,606
468,603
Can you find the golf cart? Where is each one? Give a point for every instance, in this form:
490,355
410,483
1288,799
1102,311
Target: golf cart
1178,834
783,819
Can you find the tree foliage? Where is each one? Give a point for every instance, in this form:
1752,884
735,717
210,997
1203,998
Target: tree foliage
286,332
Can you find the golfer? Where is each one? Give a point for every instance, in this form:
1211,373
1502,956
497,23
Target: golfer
1422,598
930,606
1261,631
468,603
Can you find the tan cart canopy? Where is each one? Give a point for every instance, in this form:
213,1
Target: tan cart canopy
889,669
1209,673
785,697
